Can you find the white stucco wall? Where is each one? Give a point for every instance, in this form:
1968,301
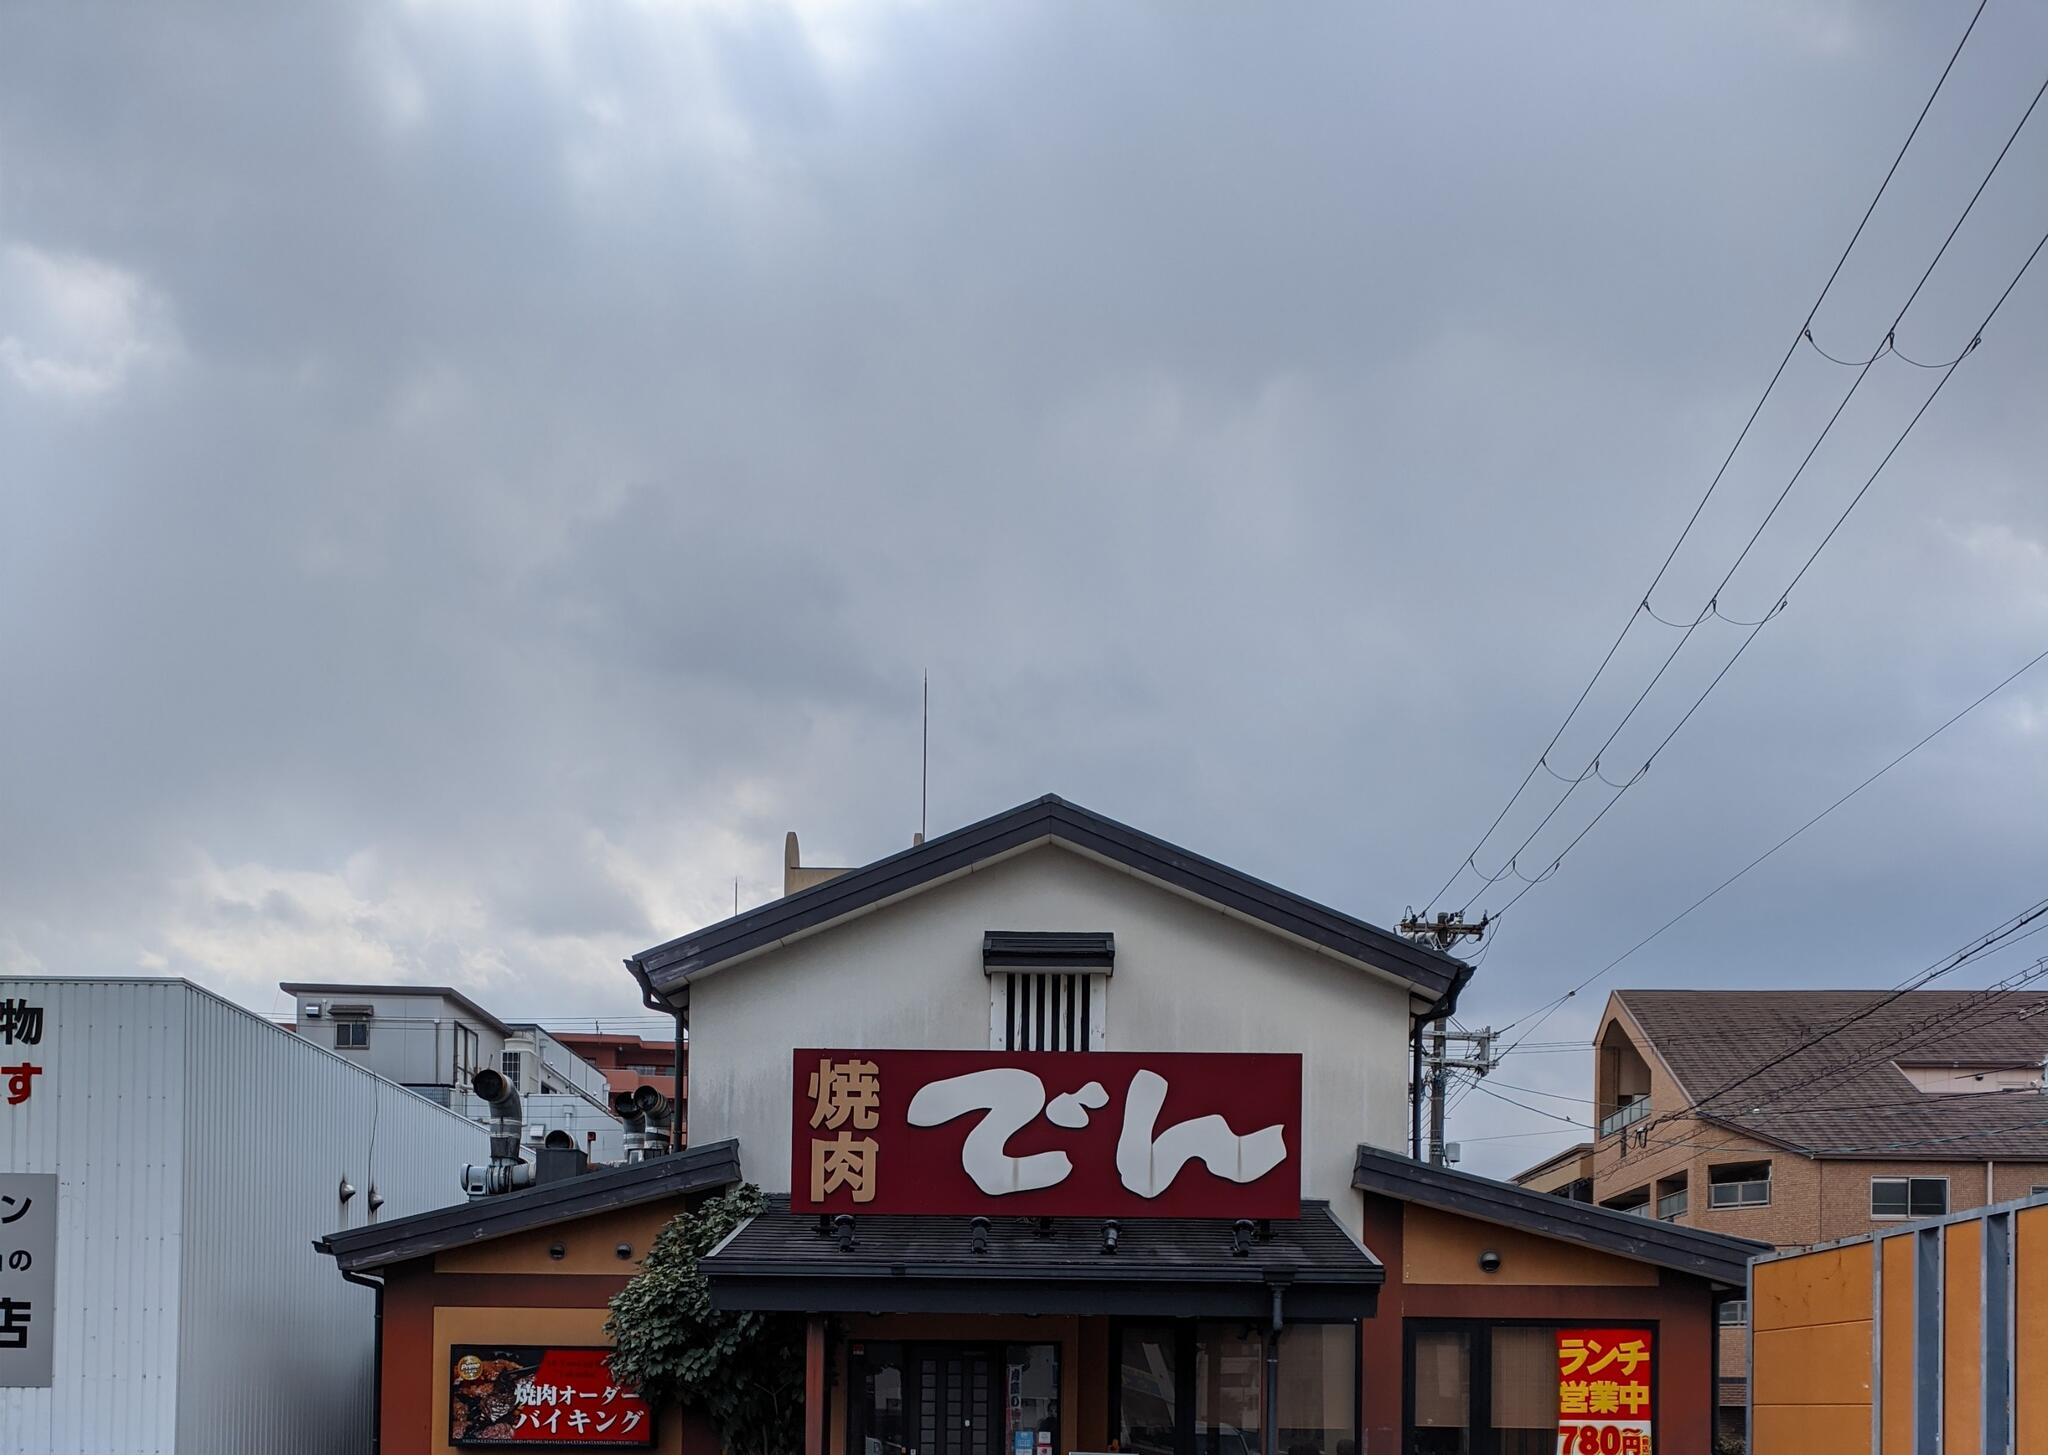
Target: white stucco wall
1188,978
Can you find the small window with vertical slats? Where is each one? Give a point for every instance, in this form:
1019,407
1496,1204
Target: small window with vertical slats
1046,1010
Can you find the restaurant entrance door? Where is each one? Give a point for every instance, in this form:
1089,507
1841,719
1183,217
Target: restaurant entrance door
946,1397
956,1406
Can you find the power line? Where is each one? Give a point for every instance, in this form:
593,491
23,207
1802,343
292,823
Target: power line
1798,576
1783,595
1714,484
1951,721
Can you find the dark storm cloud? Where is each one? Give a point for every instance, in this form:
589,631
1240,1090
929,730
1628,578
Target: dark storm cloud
476,475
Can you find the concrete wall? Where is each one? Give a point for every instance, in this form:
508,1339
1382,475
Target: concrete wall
1188,978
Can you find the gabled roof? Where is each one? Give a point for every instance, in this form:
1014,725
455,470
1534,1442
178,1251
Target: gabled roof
694,1169
666,971
1161,1266
1845,1096
1713,1256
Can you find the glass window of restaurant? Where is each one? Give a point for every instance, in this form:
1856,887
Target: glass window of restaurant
1199,1388
1484,1388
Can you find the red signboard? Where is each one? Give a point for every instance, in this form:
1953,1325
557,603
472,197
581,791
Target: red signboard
1047,1133
1605,1391
525,1394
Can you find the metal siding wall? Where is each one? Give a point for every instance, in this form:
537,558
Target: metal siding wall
2030,1334
106,1117
1961,1347
277,1346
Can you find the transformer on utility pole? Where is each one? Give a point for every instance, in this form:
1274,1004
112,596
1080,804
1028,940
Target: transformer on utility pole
1440,934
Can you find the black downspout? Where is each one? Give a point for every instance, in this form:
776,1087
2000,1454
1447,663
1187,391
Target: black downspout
655,1002
377,1360
1272,1440
679,1133
1415,1093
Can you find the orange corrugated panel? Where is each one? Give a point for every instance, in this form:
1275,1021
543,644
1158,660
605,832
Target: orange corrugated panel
1896,1402
2030,1321
1825,1364
1828,1287
1813,1429
1962,1340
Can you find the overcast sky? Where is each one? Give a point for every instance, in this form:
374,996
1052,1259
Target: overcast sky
472,475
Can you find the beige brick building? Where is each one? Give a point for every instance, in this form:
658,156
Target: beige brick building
1797,1117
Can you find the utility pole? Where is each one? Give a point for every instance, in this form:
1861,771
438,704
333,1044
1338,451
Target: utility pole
1441,933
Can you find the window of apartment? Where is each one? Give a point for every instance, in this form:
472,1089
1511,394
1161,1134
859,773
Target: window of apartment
512,1064
1908,1197
1739,1184
351,1033
1735,1311
1671,1197
465,1052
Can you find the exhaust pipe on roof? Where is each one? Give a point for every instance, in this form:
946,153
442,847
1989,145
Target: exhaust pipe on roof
627,1106
505,1172
659,1112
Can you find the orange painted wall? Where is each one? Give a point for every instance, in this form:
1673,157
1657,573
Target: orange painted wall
1438,1247
1811,1321
1896,1339
2030,1318
589,1245
1962,1328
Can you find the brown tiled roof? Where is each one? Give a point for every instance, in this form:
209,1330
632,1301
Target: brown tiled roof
1846,1096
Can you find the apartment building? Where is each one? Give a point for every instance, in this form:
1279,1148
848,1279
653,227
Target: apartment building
433,1039
628,1062
1802,1116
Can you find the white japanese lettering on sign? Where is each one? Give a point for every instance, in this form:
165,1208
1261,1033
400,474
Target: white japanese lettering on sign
1011,1098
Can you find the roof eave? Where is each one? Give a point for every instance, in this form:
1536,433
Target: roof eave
1712,1256
400,1240
666,969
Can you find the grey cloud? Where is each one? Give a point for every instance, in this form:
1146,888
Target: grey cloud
569,435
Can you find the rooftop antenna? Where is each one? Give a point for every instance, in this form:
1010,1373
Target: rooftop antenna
924,767
735,894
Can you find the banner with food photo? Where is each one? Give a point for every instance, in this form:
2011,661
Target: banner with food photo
542,1395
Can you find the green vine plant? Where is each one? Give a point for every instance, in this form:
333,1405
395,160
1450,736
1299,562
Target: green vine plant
744,1371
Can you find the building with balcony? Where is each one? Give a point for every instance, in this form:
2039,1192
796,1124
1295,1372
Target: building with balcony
1797,1117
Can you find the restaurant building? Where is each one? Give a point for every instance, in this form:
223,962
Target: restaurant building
1075,1140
